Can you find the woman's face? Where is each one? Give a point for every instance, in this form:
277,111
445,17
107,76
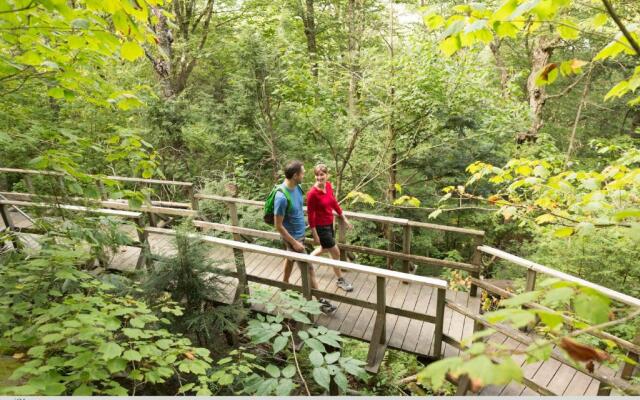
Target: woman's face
321,177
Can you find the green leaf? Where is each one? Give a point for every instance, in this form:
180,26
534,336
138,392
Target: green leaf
131,51
226,379
558,296
83,390
56,92
567,29
300,317
279,344
316,358
563,232
116,365
314,344
52,337
591,307
137,322
273,370
110,350
341,381
434,374
37,351
550,318
526,297
54,389
289,371
321,376
539,351
285,386
132,355
332,357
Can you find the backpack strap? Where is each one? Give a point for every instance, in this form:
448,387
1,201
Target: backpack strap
287,196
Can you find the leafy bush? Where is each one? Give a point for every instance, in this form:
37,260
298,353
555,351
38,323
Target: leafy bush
79,338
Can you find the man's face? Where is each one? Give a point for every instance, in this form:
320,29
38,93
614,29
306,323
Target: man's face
299,176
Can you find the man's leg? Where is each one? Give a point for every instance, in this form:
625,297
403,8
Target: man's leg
288,266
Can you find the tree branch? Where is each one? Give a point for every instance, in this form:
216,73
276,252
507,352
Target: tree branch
623,29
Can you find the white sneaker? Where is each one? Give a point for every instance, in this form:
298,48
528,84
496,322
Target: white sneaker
344,285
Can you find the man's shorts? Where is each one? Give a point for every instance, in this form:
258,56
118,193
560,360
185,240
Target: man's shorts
326,235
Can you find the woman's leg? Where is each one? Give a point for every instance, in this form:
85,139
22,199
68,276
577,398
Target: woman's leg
335,254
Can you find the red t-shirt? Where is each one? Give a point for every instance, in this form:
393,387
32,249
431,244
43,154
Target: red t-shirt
320,206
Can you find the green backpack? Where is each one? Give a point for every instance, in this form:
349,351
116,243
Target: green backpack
269,204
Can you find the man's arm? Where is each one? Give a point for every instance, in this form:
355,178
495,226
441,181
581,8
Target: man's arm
278,219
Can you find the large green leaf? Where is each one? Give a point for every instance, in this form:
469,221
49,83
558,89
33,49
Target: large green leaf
322,377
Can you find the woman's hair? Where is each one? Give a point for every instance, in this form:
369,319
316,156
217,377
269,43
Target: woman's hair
320,167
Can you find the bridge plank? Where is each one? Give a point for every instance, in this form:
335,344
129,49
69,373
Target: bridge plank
561,379
401,329
368,286
579,385
413,331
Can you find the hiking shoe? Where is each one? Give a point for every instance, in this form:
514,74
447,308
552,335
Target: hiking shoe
326,307
344,285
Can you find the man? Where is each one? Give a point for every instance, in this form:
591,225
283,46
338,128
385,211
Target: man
289,222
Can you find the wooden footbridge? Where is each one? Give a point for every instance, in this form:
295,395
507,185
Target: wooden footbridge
388,309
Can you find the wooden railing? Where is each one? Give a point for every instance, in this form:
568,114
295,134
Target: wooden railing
178,209
137,217
376,349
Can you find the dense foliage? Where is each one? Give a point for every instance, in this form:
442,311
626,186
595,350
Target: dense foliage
517,117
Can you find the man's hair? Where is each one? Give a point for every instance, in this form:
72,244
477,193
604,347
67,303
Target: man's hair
320,167
292,168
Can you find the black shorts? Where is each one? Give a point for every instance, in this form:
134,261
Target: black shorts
326,235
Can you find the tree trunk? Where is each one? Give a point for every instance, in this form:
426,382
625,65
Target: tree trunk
173,69
392,166
355,22
581,105
308,18
504,75
542,51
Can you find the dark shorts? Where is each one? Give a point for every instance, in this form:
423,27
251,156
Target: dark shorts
326,235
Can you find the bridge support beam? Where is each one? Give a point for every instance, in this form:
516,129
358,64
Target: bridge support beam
378,344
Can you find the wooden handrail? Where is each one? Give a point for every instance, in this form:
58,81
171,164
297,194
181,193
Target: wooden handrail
119,213
530,265
433,282
359,249
110,177
354,215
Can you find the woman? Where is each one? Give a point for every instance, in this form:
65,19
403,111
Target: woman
320,206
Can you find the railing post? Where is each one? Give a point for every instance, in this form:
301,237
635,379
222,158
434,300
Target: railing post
342,238
406,247
153,221
378,344
28,183
193,199
101,190
476,259
8,223
439,328
306,279
531,280
145,248
388,229
628,368
238,255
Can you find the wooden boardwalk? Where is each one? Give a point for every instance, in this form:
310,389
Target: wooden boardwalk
404,334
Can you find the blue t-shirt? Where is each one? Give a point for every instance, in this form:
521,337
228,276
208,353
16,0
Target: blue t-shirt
293,219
